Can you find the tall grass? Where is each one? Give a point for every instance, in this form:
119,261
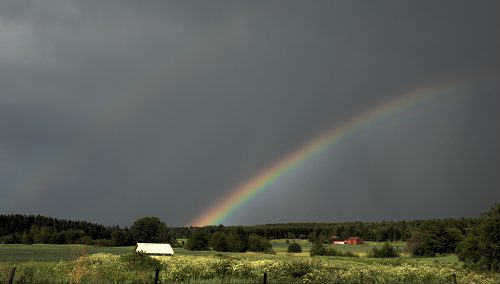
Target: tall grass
245,268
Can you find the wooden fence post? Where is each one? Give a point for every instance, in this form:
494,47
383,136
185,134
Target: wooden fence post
11,275
157,274
265,278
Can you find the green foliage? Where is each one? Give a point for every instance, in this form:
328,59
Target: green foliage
294,247
218,241
434,238
122,237
237,240
386,251
27,239
197,241
222,268
140,261
319,249
38,229
240,268
86,240
481,248
298,268
259,244
104,243
150,230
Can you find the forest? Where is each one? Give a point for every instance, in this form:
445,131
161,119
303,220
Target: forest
29,229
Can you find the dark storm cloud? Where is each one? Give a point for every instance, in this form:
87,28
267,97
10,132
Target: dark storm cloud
169,105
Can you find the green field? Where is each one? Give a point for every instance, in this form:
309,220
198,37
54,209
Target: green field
85,264
43,252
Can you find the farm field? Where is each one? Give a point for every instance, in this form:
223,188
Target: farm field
83,264
46,252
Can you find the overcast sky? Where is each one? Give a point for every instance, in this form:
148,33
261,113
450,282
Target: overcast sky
114,110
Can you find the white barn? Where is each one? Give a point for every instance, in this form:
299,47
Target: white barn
154,248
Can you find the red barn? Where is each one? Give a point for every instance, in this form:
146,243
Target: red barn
354,241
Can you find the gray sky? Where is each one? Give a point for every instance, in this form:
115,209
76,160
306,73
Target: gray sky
114,110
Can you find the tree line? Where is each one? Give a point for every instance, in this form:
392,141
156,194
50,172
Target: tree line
322,232
31,229
17,228
235,239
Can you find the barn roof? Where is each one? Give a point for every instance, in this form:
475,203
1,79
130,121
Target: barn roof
154,248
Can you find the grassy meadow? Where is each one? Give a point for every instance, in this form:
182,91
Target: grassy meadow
84,264
44,252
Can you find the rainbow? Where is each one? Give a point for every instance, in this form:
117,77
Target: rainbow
37,184
246,191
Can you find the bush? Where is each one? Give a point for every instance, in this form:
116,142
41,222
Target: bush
317,249
321,250
86,240
140,261
387,250
298,268
259,244
294,247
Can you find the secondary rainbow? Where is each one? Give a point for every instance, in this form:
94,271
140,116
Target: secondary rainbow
34,186
246,191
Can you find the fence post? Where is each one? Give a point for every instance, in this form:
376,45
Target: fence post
265,278
157,273
11,275
454,278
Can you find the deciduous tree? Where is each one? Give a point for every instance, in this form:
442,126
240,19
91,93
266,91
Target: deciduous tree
150,229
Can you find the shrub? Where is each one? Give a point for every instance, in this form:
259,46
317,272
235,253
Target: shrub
387,250
321,250
259,244
140,261
298,268
317,249
294,247
86,240
223,267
